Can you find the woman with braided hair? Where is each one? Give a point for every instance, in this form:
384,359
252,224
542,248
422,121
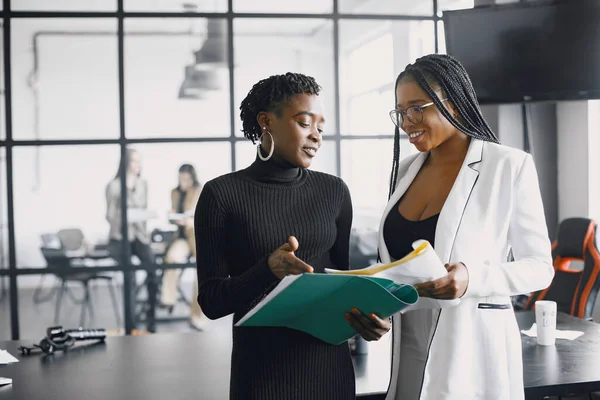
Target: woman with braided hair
275,218
474,200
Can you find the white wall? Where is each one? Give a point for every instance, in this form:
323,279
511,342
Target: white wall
579,166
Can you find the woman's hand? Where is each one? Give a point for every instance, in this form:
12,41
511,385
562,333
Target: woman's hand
451,286
370,328
283,261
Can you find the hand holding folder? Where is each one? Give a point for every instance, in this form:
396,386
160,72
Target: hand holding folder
317,303
421,265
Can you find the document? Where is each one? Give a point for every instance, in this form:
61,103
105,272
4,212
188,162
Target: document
317,303
140,214
7,358
180,216
421,265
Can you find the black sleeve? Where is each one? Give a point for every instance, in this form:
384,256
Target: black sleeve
219,294
340,252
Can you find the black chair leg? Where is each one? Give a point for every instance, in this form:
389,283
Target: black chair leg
86,299
113,298
91,306
151,310
58,304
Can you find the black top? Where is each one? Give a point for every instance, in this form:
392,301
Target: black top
181,229
240,218
399,233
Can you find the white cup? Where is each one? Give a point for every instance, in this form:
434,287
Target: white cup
545,319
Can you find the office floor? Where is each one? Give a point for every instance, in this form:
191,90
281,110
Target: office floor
35,318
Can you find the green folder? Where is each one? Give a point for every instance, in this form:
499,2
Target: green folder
317,303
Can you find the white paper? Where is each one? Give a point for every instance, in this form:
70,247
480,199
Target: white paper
180,216
285,282
5,381
6,358
560,334
140,214
424,268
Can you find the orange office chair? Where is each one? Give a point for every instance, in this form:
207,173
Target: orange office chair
574,291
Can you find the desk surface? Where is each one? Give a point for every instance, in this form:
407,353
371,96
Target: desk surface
572,366
160,366
196,366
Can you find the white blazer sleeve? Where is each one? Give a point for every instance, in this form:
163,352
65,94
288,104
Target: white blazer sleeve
532,268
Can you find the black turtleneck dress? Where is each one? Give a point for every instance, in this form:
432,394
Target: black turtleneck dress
240,219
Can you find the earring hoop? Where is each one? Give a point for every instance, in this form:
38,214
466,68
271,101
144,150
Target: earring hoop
267,158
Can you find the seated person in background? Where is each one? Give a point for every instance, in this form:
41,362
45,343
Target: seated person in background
183,202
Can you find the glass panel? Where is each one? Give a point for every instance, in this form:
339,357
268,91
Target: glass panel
294,45
283,7
44,302
366,168
64,5
175,6
64,79
160,165
372,54
446,5
176,78
399,7
325,161
71,182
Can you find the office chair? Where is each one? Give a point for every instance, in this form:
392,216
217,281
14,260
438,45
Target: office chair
60,258
574,291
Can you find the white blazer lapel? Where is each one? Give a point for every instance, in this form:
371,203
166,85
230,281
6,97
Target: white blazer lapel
403,184
454,207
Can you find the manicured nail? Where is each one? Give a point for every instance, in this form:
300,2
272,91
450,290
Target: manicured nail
348,316
373,316
355,311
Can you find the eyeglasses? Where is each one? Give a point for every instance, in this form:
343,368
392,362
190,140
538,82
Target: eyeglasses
414,114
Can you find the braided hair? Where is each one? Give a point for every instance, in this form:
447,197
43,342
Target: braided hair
271,94
441,71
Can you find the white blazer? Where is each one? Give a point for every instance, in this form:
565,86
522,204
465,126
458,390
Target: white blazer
495,204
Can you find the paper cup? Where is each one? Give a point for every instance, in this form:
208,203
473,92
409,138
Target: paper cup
545,319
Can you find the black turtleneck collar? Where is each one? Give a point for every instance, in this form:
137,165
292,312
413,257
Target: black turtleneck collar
275,171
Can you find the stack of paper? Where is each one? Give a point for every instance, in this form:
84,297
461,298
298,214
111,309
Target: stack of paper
6,358
421,265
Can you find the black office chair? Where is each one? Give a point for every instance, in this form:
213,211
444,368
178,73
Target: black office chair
575,291
60,258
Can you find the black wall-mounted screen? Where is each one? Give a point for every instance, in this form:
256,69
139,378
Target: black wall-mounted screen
529,51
